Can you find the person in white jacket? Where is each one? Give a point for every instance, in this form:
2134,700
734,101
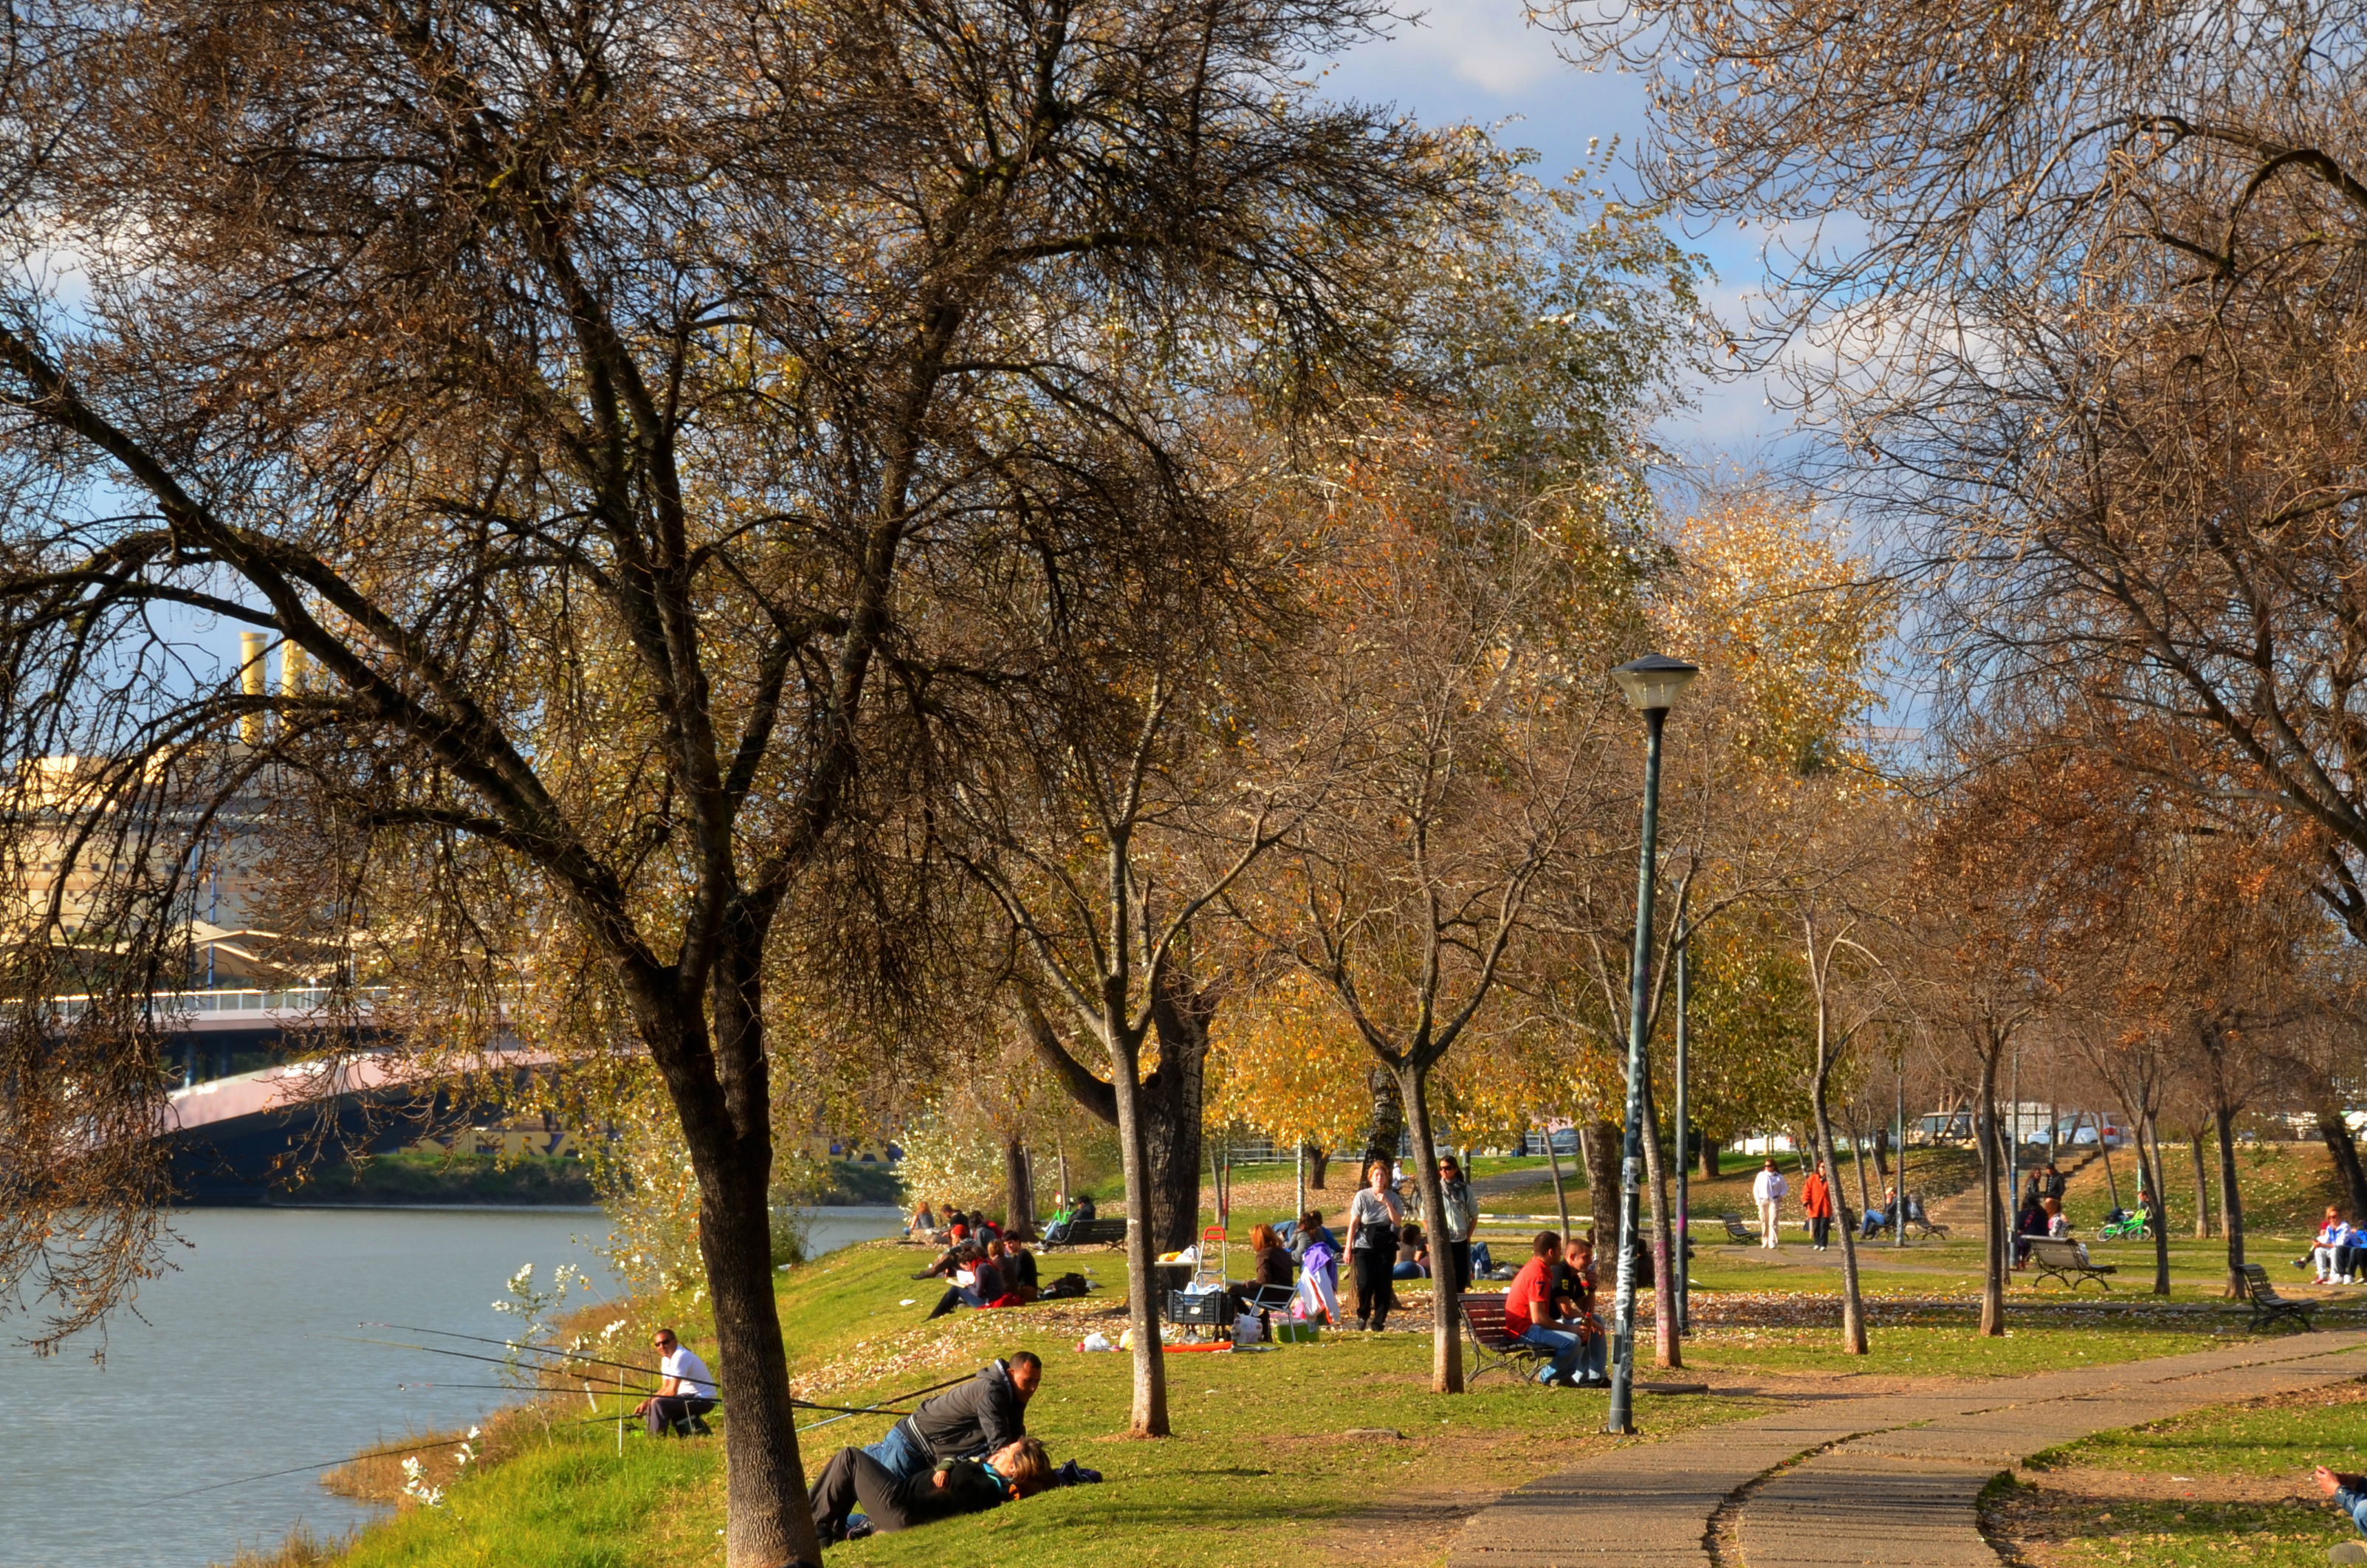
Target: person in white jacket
1769,1189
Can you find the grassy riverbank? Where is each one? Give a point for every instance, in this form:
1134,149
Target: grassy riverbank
1262,1469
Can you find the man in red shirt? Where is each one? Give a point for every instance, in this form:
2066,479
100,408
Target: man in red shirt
1529,1313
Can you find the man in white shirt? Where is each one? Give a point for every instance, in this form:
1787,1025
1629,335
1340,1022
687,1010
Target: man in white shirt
1769,1191
685,1390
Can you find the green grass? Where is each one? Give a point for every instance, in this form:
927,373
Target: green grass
2196,1489
2285,1437
1258,1460
1260,1471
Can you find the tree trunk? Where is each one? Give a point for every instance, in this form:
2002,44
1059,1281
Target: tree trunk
1668,1350
1167,1108
1709,1159
1319,1161
1882,1154
1446,1331
1149,1416
1852,1304
2231,1202
727,1137
1993,1215
2344,1151
1562,1194
1599,1142
2157,1207
1388,1130
2104,1152
1018,1189
1864,1193
2202,1187
1174,1095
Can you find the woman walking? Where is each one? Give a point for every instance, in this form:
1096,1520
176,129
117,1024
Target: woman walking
1816,1202
1373,1222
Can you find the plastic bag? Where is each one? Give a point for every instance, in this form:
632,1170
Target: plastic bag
1246,1330
1096,1340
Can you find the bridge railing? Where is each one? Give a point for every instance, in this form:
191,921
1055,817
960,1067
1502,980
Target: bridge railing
298,999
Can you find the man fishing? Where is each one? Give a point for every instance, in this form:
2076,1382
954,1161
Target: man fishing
984,1415
685,1390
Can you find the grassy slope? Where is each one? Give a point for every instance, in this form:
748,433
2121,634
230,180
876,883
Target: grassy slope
1260,1471
1258,1460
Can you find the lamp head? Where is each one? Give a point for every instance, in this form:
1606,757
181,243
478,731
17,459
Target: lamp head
1654,680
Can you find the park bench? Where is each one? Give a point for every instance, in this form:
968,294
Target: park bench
1737,1231
2061,1260
1091,1232
1492,1347
1917,1225
2267,1305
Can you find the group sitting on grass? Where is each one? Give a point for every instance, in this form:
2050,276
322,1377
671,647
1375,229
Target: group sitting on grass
997,1274
962,1453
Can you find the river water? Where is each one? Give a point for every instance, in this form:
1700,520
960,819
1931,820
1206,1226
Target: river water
242,1362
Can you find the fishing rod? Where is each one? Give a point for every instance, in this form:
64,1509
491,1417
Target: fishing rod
473,1356
512,1345
298,1469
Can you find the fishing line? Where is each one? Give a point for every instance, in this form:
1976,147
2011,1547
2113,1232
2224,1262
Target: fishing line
513,1344
302,1468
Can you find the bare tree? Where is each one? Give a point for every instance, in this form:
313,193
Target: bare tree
621,404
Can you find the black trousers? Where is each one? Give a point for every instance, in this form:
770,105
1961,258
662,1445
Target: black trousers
669,1410
1821,1229
1458,1258
854,1479
1375,1293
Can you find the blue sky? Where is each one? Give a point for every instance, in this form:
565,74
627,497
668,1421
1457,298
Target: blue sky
1481,61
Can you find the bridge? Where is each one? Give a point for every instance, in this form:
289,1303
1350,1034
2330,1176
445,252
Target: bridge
245,1116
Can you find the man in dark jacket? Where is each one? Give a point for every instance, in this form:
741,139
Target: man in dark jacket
853,1477
988,1413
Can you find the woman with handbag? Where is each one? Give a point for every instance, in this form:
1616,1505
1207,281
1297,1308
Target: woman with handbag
1375,1220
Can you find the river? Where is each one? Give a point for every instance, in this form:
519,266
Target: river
242,1362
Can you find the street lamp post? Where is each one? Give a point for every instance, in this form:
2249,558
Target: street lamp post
1651,686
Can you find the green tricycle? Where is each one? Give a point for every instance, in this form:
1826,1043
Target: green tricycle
2125,1224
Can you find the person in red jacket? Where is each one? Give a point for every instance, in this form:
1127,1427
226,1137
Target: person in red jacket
1529,1313
1816,1202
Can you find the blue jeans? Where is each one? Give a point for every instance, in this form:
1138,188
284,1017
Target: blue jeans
1564,1347
902,1454
2353,1504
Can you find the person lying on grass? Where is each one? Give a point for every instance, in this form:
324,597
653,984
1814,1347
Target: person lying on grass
955,1486
2350,1495
988,1413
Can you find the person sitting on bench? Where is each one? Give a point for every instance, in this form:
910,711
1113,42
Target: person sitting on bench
1573,1291
954,1486
685,1390
2031,1222
1529,1313
1875,1218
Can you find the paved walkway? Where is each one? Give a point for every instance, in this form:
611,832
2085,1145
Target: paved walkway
1888,1479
